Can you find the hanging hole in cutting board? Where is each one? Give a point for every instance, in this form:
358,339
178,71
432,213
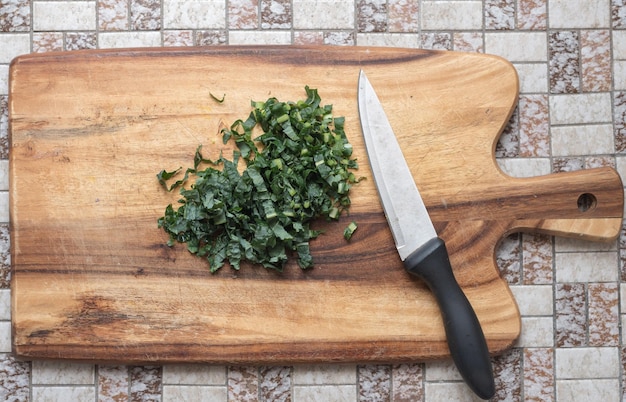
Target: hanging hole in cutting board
587,202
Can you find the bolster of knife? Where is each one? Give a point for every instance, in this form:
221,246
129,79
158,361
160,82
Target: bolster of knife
466,340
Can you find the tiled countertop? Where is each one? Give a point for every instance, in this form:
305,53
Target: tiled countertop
571,59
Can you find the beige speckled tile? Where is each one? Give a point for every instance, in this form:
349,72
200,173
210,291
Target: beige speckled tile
4,175
580,108
5,336
388,40
108,40
4,208
577,363
529,47
452,15
259,38
534,300
315,393
4,78
446,392
324,374
64,15
587,390
58,372
564,244
441,370
570,140
330,14
579,13
5,304
63,393
176,393
13,45
537,332
586,267
619,45
533,77
525,167
194,374
190,14
619,75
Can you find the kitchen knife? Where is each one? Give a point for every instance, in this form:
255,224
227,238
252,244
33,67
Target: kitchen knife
423,253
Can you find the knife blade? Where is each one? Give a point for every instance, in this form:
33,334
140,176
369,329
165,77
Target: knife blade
423,253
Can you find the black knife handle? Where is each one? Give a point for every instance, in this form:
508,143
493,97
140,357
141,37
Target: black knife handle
465,337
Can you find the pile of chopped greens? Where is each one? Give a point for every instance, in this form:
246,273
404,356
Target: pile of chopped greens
299,169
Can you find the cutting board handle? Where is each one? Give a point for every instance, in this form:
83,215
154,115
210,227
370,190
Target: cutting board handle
584,193
588,204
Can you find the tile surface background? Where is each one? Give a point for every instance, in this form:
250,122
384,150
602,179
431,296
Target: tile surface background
571,59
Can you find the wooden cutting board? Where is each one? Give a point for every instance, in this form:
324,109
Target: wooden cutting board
93,279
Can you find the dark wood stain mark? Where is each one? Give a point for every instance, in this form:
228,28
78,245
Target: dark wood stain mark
95,311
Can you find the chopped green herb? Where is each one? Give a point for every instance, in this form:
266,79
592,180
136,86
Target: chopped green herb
218,100
164,175
349,231
299,169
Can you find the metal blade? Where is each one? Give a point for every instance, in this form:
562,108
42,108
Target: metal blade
404,208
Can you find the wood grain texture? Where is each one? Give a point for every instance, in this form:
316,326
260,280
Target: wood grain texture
94,281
